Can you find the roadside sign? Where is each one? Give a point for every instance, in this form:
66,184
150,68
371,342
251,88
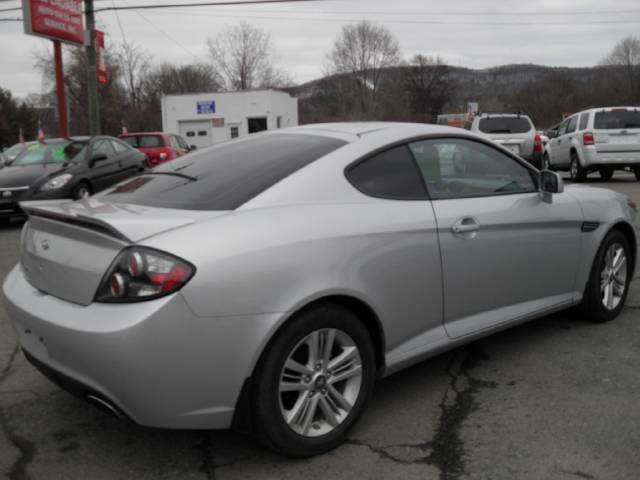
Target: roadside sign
101,65
208,106
59,20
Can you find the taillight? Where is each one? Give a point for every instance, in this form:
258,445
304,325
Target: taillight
139,274
163,156
587,138
537,143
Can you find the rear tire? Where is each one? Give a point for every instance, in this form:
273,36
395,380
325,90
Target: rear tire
576,171
606,173
608,284
296,410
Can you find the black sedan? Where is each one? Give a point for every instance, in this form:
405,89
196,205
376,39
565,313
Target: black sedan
66,168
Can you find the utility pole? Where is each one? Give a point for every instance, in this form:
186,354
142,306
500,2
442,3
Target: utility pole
92,76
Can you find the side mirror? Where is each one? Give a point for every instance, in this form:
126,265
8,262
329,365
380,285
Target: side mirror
98,157
549,183
192,147
552,134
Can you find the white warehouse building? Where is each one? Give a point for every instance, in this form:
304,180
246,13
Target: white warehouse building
204,119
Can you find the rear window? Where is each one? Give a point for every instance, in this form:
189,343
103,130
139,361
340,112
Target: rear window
224,176
617,119
504,125
144,141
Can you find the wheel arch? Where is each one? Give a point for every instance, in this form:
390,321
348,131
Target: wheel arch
630,234
243,417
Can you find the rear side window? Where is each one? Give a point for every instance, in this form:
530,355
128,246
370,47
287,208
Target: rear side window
224,176
504,125
617,119
390,174
584,120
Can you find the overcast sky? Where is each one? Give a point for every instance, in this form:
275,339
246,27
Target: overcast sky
470,33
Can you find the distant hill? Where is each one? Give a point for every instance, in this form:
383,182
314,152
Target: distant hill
545,93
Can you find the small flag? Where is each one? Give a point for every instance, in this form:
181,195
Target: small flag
21,137
40,137
124,127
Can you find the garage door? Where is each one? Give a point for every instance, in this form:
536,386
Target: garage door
196,133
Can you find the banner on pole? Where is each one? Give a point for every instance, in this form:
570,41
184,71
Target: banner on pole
101,64
54,19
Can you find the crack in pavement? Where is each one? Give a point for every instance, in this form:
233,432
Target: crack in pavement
26,449
208,466
446,448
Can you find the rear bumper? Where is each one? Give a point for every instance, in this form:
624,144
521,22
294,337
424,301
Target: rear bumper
591,156
156,362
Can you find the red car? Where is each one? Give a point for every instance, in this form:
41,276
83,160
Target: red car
159,147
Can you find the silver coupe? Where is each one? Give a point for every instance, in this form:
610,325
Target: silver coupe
265,283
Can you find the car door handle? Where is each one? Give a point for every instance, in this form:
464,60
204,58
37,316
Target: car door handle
466,227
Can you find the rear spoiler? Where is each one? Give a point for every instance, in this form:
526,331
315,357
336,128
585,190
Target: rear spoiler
51,209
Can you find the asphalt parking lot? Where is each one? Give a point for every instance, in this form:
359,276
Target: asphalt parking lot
555,398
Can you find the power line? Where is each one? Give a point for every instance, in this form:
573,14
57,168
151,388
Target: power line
124,39
200,4
401,21
169,36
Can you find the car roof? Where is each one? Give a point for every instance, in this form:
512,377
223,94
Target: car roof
131,134
351,131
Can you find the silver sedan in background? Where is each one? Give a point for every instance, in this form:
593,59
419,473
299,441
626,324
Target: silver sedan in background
265,283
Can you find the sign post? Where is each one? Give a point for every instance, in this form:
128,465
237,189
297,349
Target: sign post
63,122
60,21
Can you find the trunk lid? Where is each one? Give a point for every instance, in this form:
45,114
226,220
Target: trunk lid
67,247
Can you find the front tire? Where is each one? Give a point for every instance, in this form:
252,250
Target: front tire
608,284
81,191
313,381
576,171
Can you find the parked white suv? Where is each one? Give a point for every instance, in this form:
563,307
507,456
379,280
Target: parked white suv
513,131
598,139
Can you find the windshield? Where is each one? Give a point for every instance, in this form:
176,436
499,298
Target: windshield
224,176
505,125
38,153
12,152
617,119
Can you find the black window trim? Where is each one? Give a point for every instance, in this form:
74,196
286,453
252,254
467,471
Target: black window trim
374,153
533,171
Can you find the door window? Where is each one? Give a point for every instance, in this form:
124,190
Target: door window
459,168
573,123
181,142
120,147
234,132
390,174
563,128
103,146
174,143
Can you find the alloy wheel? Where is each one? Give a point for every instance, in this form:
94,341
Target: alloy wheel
613,277
320,382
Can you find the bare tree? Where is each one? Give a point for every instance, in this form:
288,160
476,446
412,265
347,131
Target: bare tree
135,64
626,56
428,86
243,56
364,51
